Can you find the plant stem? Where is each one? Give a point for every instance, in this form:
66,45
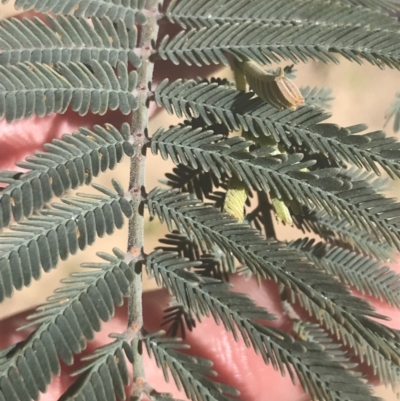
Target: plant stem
266,212
139,137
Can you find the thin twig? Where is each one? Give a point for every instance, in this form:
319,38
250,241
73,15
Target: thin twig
139,137
266,213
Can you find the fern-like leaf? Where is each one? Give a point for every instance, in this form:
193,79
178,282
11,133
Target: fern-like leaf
68,164
178,319
104,377
365,274
130,11
206,13
189,373
312,332
323,297
209,297
40,242
267,43
301,127
200,184
203,296
27,89
67,39
383,5
70,318
339,231
216,264
357,202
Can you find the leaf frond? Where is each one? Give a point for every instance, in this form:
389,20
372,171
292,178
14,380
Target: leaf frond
268,43
203,185
322,296
301,127
130,11
365,274
214,263
65,40
68,163
384,5
237,312
70,318
178,319
357,201
189,373
206,13
40,242
104,378
339,231
28,89
203,296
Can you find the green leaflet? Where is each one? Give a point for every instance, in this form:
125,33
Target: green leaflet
343,315
189,373
67,39
68,163
282,42
70,318
27,89
357,201
303,126
206,296
199,13
40,242
128,10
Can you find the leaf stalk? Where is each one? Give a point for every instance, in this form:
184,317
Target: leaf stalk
139,137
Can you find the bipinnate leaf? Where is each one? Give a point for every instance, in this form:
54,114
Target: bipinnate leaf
209,297
284,177
189,373
130,11
68,163
28,89
104,376
70,318
302,127
67,39
203,13
324,298
41,242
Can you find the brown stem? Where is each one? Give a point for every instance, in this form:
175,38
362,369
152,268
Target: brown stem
139,137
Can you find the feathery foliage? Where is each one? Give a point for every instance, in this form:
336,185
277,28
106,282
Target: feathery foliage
197,14
130,11
260,143
67,39
71,85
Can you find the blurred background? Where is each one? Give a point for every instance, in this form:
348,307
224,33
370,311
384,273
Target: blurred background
362,95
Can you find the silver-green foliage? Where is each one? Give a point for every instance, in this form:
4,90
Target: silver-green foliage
91,56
